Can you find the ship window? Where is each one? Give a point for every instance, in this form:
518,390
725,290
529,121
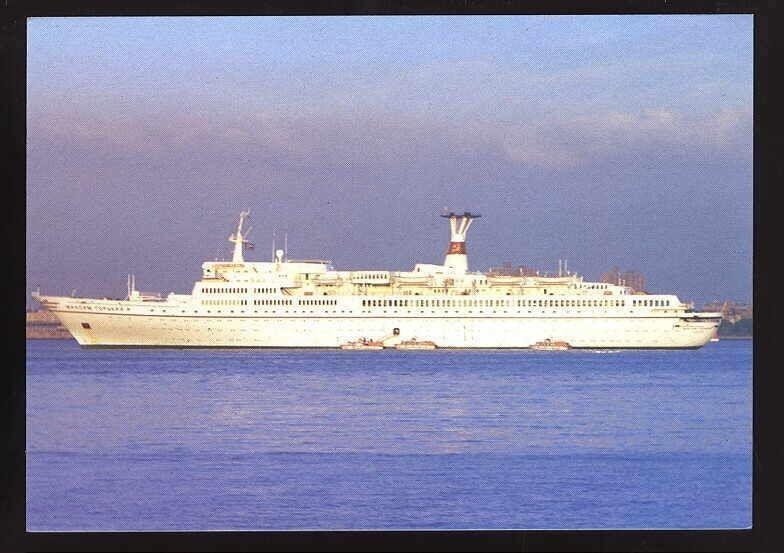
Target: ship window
86,325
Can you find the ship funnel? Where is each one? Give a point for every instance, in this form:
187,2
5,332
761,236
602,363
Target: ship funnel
456,257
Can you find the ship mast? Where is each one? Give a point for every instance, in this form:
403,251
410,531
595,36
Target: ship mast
239,241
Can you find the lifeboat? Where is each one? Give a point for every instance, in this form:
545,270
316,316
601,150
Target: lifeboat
362,344
504,280
551,345
327,279
412,278
415,344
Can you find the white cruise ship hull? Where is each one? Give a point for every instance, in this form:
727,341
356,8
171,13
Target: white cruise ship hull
103,324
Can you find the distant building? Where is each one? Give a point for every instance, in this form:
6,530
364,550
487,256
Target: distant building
613,276
507,270
730,311
44,325
632,279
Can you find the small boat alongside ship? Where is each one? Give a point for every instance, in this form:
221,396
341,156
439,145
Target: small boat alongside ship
551,345
363,344
415,344
376,345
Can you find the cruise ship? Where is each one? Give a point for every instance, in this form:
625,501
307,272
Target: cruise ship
286,303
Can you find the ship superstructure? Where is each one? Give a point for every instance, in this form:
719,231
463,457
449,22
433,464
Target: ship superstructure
306,303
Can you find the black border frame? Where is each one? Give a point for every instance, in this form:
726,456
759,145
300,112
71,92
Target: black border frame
768,173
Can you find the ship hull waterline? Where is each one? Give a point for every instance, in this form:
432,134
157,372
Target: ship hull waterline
111,330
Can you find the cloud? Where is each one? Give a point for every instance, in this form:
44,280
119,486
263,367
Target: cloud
567,143
383,137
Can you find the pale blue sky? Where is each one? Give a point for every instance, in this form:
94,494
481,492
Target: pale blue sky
617,140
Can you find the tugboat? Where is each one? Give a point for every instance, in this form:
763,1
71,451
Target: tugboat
551,345
363,344
415,344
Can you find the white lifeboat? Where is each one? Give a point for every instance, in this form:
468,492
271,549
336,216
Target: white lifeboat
504,280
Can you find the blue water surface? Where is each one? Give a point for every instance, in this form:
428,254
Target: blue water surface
122,440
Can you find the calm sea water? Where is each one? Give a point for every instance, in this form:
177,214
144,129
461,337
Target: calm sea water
281,439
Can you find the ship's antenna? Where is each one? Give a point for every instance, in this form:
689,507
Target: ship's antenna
560,268
566,261
286,246
273,246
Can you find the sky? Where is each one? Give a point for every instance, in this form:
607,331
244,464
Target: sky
605,140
